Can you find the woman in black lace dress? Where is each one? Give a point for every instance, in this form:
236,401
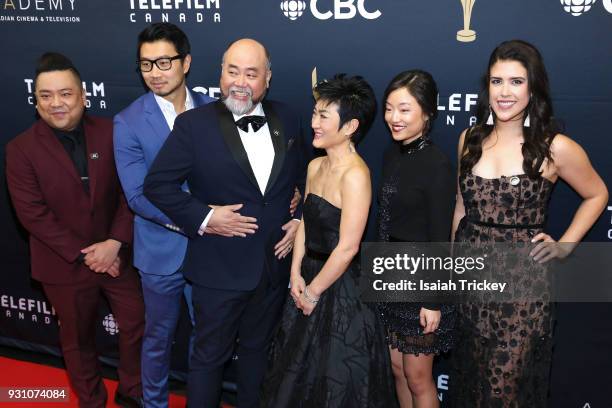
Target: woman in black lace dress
330,349
416,200
509,162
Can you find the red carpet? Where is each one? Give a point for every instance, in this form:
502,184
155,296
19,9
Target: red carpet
15,373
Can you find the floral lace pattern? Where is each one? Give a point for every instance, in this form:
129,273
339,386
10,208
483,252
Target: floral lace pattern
504,350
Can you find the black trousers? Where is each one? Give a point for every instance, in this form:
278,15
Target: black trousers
221,317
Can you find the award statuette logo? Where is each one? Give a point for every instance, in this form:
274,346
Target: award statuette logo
467,35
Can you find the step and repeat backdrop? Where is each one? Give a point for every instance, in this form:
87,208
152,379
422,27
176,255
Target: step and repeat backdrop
377,39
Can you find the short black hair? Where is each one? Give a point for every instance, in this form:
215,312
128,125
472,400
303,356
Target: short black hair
421,85
165,32
355,99
54,61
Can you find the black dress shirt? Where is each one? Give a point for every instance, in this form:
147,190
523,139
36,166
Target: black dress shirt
75,145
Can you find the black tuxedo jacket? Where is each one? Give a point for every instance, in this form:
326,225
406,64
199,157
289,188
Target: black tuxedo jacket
205,150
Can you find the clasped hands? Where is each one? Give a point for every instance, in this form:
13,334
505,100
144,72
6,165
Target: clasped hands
306,302
102,257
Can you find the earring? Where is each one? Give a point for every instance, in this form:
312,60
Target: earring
527,122
490,118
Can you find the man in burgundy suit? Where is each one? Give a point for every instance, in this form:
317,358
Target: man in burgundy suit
62,180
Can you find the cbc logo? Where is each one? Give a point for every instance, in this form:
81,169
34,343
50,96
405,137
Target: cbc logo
110,324
293,9
342,9
579,7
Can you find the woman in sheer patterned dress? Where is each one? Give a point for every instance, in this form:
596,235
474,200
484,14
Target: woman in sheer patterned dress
509,162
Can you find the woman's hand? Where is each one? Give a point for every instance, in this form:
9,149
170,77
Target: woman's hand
307,301
548,248
430,319
297,286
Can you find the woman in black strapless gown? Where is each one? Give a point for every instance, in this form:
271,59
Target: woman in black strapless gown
503,353
330,349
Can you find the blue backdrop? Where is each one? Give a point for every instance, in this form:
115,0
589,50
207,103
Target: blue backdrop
373,38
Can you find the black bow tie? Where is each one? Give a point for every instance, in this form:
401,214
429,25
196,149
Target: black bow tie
256,122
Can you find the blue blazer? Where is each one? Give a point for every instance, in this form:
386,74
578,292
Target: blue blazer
205,150
140,130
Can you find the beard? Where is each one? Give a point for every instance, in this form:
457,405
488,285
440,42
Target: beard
238,107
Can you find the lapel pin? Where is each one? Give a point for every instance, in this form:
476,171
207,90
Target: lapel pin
276,132
94,156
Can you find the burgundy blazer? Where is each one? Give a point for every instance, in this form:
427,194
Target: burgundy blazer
52,205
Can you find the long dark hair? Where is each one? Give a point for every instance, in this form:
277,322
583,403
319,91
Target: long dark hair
543,128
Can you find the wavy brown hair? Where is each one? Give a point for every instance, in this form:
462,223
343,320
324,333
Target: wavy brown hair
538,137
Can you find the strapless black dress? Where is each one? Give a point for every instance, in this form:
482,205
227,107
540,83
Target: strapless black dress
337,356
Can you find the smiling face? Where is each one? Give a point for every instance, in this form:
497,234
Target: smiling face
508,90
60,99
325,125
404,116
245,76
164,83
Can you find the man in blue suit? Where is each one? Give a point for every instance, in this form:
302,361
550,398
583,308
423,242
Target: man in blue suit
159,247
246,151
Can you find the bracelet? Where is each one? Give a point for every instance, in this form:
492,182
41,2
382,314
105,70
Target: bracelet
309,298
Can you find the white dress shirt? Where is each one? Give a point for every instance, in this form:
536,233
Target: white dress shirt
260,151
167,107
259,148
170,115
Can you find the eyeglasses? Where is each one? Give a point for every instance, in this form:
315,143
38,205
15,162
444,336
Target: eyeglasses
164,63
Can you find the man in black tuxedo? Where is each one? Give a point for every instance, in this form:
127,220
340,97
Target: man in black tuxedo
241,157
